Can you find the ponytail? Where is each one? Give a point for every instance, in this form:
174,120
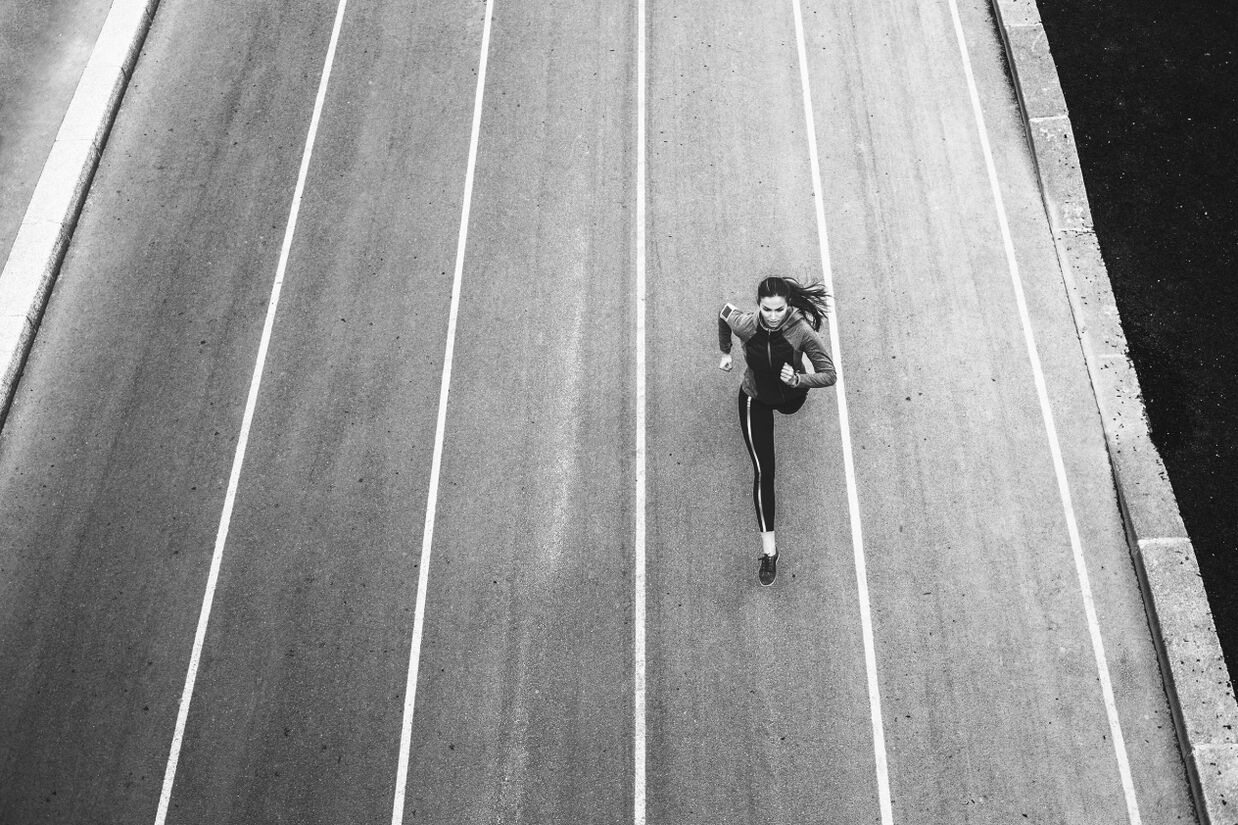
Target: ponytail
810,299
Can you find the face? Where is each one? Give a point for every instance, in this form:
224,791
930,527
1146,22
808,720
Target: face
773,311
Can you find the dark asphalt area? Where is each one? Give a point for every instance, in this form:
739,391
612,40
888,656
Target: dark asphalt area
1151,91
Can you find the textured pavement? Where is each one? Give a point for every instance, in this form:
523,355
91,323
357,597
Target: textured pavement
116,453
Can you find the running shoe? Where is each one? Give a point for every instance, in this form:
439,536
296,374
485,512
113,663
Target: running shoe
769,568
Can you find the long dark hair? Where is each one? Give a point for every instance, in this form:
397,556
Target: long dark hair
810,299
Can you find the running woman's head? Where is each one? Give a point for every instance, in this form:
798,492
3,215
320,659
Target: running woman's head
776,295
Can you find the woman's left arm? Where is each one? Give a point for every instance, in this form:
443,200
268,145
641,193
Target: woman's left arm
814,348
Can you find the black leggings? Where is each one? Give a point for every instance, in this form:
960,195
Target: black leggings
756,421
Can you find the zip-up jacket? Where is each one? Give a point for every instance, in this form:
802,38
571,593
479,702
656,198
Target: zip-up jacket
766,350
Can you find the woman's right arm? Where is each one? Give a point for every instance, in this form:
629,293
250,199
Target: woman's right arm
724,327
724,336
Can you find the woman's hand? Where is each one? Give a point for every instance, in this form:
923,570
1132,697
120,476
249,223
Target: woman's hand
725,363
788,376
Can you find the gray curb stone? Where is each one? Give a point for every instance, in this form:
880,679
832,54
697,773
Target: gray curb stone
1192,665
43,237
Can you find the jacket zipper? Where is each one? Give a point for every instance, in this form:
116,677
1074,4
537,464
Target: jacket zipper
769,351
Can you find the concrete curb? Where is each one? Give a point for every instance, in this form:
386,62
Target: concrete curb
43,237
1192,665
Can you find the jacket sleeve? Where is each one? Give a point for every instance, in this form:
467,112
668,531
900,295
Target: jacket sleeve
731,320
815,349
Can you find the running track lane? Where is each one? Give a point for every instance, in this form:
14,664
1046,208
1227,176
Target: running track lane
524,705
113,460
758,710
309,629
993,704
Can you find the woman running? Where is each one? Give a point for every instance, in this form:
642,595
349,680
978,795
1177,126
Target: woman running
775,340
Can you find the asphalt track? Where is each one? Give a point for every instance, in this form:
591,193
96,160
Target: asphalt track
115,461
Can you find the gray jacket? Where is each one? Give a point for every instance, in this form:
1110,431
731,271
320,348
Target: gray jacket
766,350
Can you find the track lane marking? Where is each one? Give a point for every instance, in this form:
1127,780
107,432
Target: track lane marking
427,535
853,500
638,576
251,403
1055,450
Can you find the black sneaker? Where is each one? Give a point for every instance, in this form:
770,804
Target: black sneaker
769,568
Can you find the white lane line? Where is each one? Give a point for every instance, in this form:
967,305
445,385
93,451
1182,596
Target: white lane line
427,533
251,403
638,576
1055,450
844,425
